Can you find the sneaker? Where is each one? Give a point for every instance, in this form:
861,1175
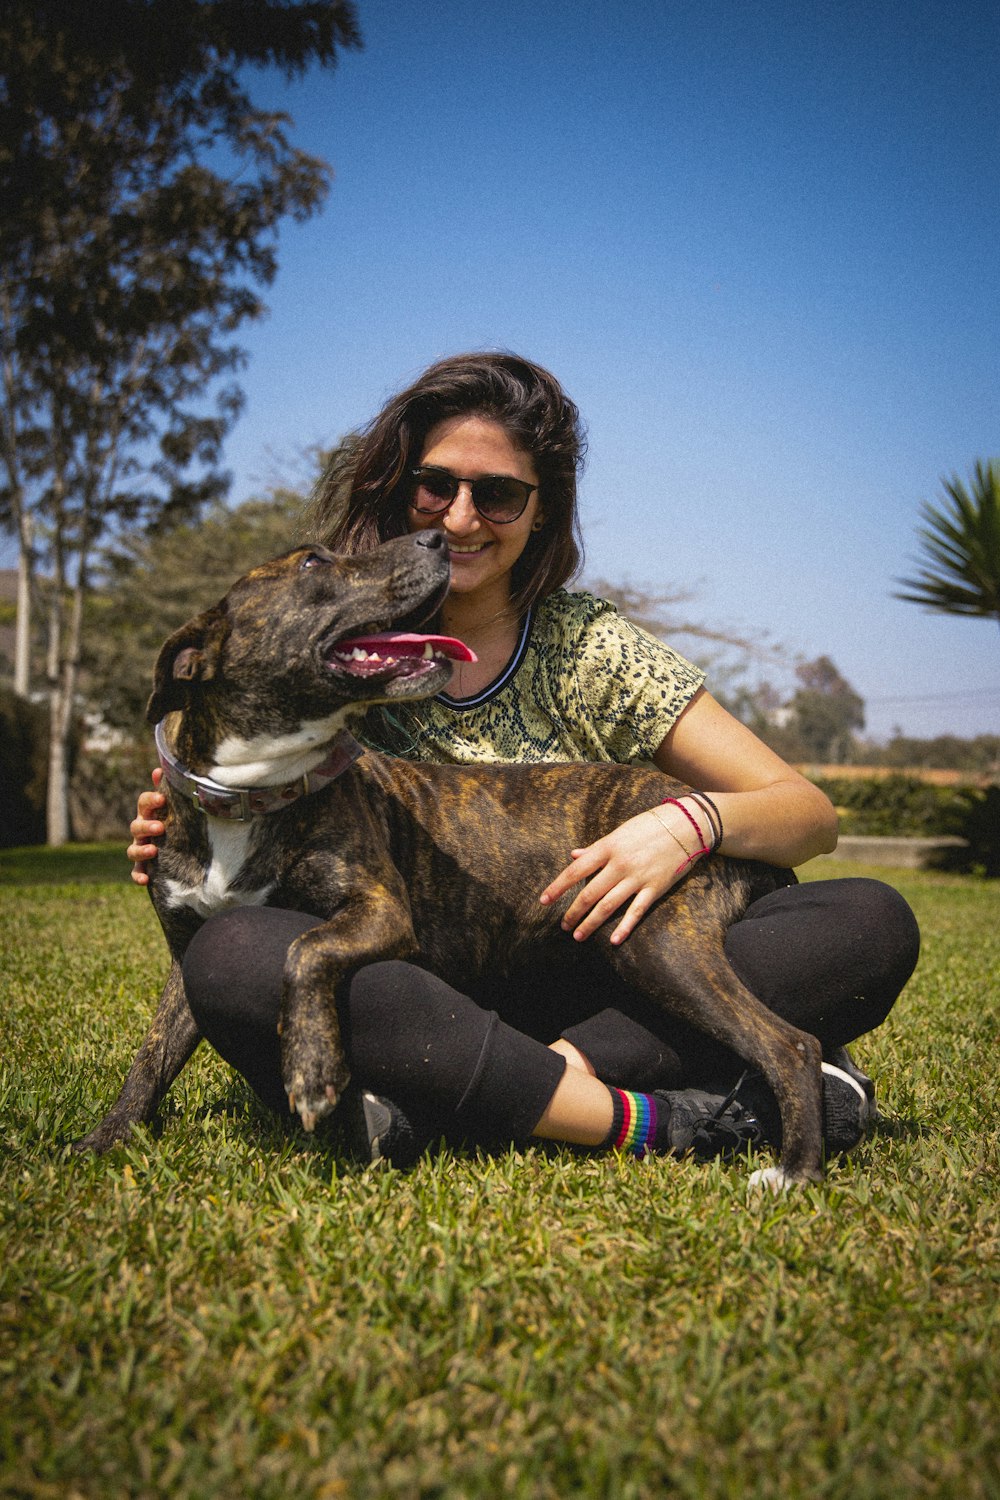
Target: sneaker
839,1057
374,1129
846,1109
706,1124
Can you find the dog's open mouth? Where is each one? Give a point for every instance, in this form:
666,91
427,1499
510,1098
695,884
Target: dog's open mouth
394,654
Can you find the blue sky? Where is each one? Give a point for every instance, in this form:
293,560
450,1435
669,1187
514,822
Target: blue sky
758,243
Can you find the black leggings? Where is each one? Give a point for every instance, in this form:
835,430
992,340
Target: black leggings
829,956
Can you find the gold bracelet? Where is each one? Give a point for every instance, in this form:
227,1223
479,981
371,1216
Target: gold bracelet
667,829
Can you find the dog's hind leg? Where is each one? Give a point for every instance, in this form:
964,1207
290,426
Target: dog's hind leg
693,981
168,1044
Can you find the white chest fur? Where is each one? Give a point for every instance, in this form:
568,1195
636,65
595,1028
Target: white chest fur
267,760
230,844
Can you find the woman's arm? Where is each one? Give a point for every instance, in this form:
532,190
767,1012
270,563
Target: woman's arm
768,811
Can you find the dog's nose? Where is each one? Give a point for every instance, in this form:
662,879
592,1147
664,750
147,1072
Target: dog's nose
434,539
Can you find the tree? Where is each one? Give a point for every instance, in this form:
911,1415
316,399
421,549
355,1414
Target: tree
727,654
147,586
151,585
960,546
824,712
128,261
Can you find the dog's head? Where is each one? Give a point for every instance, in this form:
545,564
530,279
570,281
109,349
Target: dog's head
308,635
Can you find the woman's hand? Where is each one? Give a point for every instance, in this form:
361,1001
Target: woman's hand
144,826
636,863
767,810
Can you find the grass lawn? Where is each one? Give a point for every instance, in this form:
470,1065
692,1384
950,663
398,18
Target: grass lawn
225,1309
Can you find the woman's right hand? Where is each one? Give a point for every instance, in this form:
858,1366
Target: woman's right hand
144,826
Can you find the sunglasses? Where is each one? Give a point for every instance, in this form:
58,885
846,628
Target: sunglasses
497,497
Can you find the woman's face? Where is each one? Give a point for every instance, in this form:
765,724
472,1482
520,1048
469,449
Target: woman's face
482,552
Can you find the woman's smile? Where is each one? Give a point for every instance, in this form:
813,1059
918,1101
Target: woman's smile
457,548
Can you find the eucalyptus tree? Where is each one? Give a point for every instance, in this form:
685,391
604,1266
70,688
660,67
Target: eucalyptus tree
143,190
960,549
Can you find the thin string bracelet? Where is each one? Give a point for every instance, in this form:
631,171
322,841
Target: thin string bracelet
704,849
702,846
689,858
713,815
704,797
695,797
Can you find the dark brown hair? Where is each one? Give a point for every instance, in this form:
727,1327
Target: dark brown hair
360,500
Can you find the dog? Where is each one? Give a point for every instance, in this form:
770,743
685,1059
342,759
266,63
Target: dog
271,800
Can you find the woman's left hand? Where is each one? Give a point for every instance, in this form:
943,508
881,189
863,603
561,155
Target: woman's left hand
636,863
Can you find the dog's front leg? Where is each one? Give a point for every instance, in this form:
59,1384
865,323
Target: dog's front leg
313,1065
168,1044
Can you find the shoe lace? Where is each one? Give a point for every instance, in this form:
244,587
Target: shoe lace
730,1122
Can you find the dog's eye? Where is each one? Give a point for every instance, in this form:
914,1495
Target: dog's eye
314,560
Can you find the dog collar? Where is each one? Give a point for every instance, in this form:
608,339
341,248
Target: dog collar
240,804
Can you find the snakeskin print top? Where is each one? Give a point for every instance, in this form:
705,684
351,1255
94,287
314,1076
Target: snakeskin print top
583,685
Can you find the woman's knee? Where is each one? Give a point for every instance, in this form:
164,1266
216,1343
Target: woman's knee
882,922
831,956
390,999
235,962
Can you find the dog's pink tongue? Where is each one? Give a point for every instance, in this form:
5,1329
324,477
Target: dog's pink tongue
402,644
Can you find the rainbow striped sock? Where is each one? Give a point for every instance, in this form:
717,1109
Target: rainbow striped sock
633,1125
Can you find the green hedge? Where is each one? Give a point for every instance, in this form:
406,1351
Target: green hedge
906,807
24,743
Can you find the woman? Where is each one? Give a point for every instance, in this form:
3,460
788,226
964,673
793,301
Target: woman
487,447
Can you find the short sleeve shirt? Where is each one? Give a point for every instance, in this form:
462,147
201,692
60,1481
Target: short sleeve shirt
584,684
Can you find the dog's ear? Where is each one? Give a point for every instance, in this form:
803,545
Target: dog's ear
190,655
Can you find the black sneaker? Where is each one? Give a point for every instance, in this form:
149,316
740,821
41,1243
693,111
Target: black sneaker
706,1125
846,1109
839,1057
374,1129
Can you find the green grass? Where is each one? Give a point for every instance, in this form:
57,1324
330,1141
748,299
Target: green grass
77,864
225,1309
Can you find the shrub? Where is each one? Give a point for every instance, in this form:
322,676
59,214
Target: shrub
906,807
24,737
897,806
105,785
977,821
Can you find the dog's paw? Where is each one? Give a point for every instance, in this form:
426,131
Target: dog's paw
112,1131
314,1086
779,1180
311,1104
771,1180
313,1067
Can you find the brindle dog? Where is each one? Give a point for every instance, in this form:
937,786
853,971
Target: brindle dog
440,865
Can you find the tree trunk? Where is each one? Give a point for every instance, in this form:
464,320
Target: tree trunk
63,702
57,829
57,790
22,628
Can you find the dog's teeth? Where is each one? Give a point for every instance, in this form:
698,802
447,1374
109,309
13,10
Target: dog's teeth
358,655
428,652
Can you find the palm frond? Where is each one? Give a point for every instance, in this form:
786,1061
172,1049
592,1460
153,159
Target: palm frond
959,565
